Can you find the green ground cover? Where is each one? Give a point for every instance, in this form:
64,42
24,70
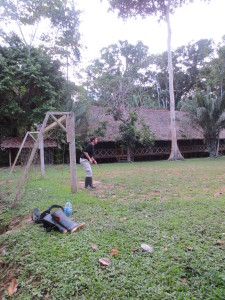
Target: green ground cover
178,208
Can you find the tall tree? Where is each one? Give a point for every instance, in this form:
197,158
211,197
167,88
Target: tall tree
117,78
30,18
188,62
30,85
162,10
157,74
213,73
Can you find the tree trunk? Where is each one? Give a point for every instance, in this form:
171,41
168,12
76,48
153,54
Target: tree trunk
158,90
175,152
128,154
212,147
218,147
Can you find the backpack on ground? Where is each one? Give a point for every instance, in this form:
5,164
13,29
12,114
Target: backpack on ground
55,220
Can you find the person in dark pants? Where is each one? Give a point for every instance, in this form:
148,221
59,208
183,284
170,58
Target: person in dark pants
86,159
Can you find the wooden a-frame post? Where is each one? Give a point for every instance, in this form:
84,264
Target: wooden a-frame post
29,133
39,143
70,127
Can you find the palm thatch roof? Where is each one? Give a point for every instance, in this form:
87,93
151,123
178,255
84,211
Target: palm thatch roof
158,120
15,142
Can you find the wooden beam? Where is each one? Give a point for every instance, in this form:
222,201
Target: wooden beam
58,113
30,134
25,173
42,155
70,126
10,158
36,144
57,121
18,154
53,125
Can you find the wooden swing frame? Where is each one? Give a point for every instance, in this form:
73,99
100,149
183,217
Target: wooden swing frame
67,117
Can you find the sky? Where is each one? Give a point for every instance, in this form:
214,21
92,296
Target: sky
192,22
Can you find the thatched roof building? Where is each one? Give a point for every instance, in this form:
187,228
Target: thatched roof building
15,143
158,120
189,135
12,144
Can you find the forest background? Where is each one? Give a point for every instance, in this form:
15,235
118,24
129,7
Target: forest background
35,79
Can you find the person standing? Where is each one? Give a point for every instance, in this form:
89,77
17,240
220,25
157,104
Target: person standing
86,160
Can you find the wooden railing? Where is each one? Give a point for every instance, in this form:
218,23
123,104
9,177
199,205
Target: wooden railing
106,153
193,148
150,151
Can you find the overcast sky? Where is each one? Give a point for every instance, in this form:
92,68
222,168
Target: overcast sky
190,23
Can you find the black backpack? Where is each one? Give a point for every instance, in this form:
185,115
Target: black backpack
55,220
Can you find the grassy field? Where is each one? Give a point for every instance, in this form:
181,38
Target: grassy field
178,208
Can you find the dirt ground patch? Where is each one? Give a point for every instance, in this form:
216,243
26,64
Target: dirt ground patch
3,181
11,271
100,188
17,223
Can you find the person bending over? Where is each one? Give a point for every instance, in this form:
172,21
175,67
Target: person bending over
86,159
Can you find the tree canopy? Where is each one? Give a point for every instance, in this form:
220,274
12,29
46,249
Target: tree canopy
30,85
59,17
38,39
208,111
118,77
144,8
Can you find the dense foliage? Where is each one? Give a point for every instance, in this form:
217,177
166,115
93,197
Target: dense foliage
30,85
130,135
60,18
33,36
118,77
145,8
50,25
128,75
208,111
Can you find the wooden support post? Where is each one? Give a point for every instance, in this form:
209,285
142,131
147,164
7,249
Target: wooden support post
70,126
58,113
42,157
18,154
30,134
70,129
10,158
25,173
59,123
53,125
36,144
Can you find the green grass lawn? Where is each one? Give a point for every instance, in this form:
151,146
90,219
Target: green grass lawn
178,208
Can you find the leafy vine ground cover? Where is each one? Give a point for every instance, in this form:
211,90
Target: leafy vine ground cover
177,208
